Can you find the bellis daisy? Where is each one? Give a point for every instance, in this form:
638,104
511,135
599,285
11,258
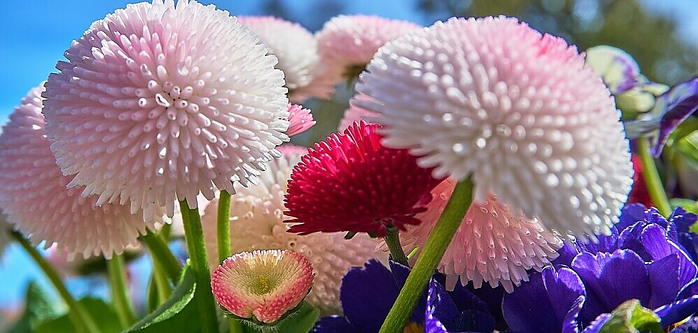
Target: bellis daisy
352,183
492,244
300,119
257,223
347,42
516,110
264,284
35,198
159,102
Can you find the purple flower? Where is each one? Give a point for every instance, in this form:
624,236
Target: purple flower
368,293
641,259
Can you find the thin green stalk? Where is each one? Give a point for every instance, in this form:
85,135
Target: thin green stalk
651,177
392,239
160,252
116,269
223,226
430,257
77,314
235,326
196,246
161,283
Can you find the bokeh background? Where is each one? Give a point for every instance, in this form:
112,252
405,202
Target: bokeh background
661,34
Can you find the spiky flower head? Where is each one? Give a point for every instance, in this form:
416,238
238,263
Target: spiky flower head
265,284
35,198
517,110
352,183
257,223
348,42
493,244
300,119
159,102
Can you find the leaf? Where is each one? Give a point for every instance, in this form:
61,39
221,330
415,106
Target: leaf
38,307
631,317
687,204
178,313
103,314
688,146
301,319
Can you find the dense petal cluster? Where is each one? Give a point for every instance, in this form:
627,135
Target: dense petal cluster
160,102
517,110
265,284
352,183
492,244
256,223
35,198
300,119
348,42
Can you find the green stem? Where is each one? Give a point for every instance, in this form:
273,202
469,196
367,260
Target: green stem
78,315
116,269
223,226
161,253
651,177
161,283
235,326
196,246
392,239
430,257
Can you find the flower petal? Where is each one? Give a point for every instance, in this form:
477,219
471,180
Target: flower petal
679,103
677,311
367,295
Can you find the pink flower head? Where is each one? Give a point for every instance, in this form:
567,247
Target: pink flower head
348,42
300,118
35,198
516,110
265,284
160,102
352,183
492,244
288,149
355,113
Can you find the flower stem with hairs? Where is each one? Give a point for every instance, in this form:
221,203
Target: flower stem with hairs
428,260
161,253
651,176
118,284
77,314
392,239
223,227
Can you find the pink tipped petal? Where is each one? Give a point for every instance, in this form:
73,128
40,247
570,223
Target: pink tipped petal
300,118
355,113
160,102
264,284
289,150
35,198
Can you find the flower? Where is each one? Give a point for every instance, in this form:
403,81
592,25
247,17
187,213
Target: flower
641,259
160,102
352,183
300,119
492,244
348,42
516,110
35,198
368,293
264,284
638,193
257,223
355,114
297,50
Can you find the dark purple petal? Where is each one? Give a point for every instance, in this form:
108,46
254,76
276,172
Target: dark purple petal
367,294
400,273
611,279
630,215
690,289
598,323
679,103
631,74
664,278
677,311
690,326
603,244
431,323
570,323
564,287
566,254
492,297
333,324
683,222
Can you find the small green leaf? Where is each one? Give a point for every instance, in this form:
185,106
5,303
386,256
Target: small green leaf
178,314
100,311
38,308
687,204
631,317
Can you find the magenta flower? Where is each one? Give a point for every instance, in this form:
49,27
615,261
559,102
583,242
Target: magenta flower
160,102
300,119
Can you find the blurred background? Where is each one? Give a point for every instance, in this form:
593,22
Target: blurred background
661,35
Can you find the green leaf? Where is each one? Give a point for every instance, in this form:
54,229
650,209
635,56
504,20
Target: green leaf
178,314
688,146
300,320
100,311
631,317
38,308
687,204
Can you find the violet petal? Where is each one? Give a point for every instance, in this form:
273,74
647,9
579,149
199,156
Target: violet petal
367,294
680,102
677,311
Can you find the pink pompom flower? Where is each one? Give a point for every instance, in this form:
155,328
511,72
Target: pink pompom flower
300,119
35,198
262,284
352,183
160,102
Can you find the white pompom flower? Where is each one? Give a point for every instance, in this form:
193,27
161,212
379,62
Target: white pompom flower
515,109
160,102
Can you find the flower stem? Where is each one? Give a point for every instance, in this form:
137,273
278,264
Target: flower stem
392,239
161,253
429,258
223,227
235,326
196,246
651,177
78,315
116,269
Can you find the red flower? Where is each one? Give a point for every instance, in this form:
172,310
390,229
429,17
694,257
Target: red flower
350,182
639,194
